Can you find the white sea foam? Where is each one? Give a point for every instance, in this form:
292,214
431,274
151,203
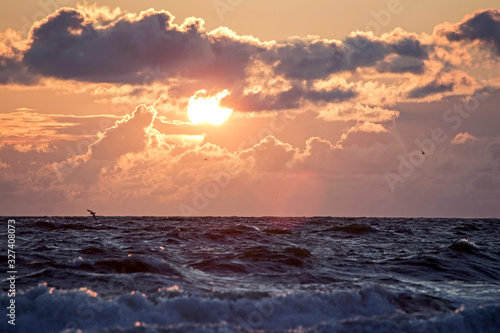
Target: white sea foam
370,309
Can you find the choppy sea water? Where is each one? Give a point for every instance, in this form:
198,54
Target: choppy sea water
246,274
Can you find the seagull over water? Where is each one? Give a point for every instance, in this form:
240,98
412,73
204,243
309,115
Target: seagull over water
92,213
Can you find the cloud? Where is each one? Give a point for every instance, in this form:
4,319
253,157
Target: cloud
24,148
67,45
406,44
452,57
127,135
482,26
401,64
100,45
270,154
358,112
351,162
126,171
232,54
132,134
12,70
365,134
93,44
320,154
101,14
25,126
452,81
291,98
430,88
34,128
318,59
368,127
24,109
358,105
462,138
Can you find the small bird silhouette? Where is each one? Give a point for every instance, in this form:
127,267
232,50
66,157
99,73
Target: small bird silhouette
92,213
423,152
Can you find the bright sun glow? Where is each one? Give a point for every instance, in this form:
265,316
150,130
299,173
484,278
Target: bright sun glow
203,108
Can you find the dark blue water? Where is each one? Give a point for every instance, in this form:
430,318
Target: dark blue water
239,274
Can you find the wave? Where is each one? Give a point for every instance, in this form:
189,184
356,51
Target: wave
254,260
275,231
371,308
126,265
275,259
52,224
464,245
355,228
90,250
467,227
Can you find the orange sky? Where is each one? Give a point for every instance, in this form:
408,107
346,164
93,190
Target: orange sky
329,118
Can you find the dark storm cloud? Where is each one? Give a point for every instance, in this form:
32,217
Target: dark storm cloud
483,26
319,59
289,99
410,47
445,81
66,45
401,65
149,47
430,89
307,60
231,55
13,71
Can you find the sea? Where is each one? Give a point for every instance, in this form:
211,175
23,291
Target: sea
252,274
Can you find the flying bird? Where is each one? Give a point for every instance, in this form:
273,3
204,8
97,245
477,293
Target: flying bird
423,152
92,213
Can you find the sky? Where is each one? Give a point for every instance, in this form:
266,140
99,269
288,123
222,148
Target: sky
237,107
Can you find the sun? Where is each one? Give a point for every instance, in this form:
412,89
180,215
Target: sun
203,108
